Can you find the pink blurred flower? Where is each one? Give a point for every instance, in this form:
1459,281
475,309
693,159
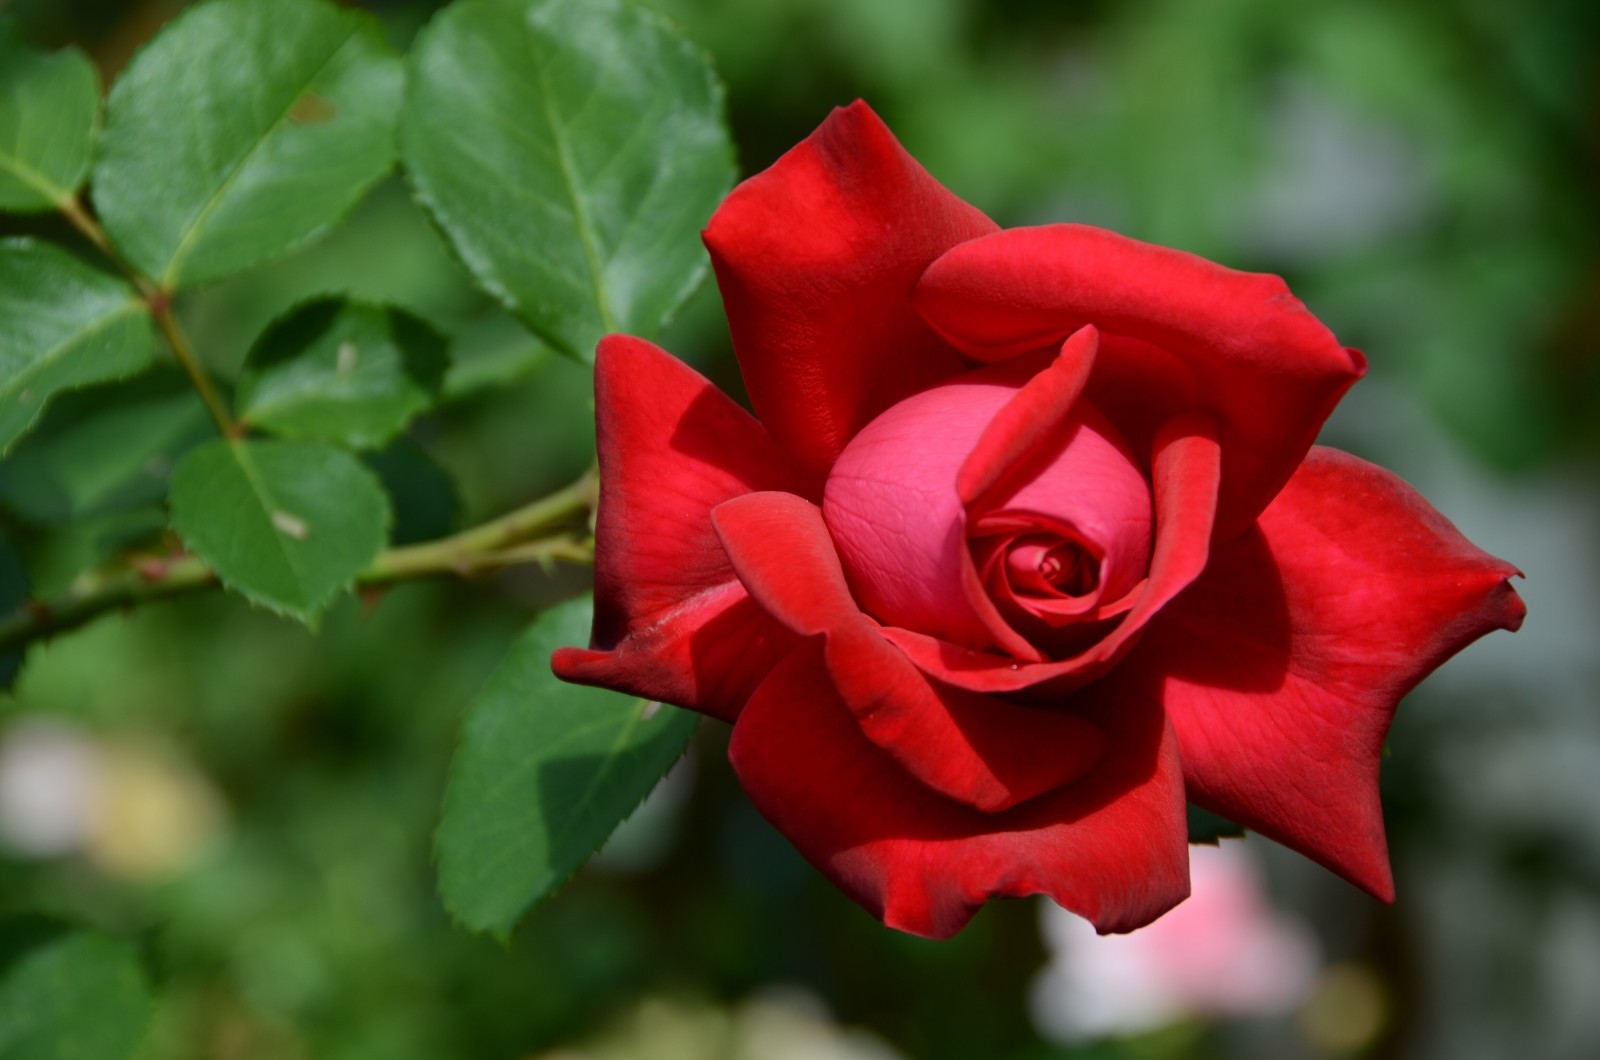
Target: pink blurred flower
1225,952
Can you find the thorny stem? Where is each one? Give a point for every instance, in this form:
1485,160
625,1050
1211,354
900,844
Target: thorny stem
551,529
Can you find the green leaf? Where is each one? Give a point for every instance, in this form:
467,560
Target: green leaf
544,773
70,995
244,129
571,150
342,372
49,115
288,524
104,449
62,324
1207,827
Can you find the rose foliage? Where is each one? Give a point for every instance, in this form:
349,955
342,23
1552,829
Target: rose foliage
1027,544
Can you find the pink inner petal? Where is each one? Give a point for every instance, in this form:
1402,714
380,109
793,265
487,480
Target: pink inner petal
892,507
1068,525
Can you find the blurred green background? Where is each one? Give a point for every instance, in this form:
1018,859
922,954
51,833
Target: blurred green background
1423,174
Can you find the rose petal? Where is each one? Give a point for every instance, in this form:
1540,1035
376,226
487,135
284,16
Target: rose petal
671,620
893,510
1268,369
1111,848
816,258
985,752
1012,441
1187,466
1285,661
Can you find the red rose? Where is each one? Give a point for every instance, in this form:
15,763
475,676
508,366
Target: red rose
1029,545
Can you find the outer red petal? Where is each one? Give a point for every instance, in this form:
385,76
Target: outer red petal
1184,480
985,752
1111,848
816,258
671,620
1267,368
1285,661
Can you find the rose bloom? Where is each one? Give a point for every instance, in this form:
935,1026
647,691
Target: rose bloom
1027,544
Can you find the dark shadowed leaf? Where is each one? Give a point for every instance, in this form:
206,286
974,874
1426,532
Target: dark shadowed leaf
422,494
544,773
1207,827
62,324
55,556
342,372
13,595
288,524
571,150
69,995
104,449
242,130
49,114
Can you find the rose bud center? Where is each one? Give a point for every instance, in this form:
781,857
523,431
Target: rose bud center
1063,540
1040,565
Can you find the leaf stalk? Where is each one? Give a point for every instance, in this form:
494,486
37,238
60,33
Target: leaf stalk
160,304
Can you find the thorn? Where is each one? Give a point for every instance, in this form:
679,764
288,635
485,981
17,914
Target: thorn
370,596
150,568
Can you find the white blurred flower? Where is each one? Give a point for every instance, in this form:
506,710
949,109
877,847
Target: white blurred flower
784,1023
134,809
49,786
1223,952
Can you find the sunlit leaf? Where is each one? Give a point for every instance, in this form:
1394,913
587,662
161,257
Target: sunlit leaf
242,130
49,115
544,773
288,524
62,324
342,372
571,150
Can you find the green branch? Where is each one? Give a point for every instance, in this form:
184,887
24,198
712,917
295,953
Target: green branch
549,530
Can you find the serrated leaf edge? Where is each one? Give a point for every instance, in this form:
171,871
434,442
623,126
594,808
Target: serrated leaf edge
424,196
541,895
